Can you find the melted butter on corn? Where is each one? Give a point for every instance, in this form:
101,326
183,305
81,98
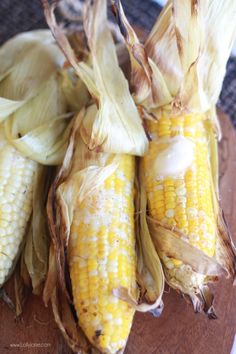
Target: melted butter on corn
175,158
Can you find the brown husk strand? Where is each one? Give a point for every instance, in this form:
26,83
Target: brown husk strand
179,70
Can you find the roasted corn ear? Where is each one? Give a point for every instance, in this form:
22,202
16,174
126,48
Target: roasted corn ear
177,77
33,132
93,198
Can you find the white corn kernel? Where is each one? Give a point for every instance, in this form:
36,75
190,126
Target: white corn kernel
16,181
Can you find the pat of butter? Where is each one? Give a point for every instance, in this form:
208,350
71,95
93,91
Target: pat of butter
176,158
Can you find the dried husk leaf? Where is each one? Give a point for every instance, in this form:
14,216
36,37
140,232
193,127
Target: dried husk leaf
20,290
213,136
36,249
197,270
29,253
39,128
225,248
141,70
169,244
74,90
56,268
118,126
39,224
52,272
36,123
149,272
67,324
24,273
27,61
196,37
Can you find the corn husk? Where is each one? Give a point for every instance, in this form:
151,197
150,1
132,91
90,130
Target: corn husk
180,70
118,126
32,103
38,128
182,64
23,70
36,250
74,90
149,273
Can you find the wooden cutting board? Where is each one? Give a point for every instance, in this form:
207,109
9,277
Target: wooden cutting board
177,331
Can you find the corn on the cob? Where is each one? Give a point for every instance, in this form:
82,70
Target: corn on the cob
101,256
177,77
32,107
182,201
94,204
16,189
98,222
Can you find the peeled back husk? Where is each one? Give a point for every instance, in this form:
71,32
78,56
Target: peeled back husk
118,126
27,61
181,67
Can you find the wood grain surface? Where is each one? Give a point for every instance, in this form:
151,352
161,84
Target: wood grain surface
177,331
